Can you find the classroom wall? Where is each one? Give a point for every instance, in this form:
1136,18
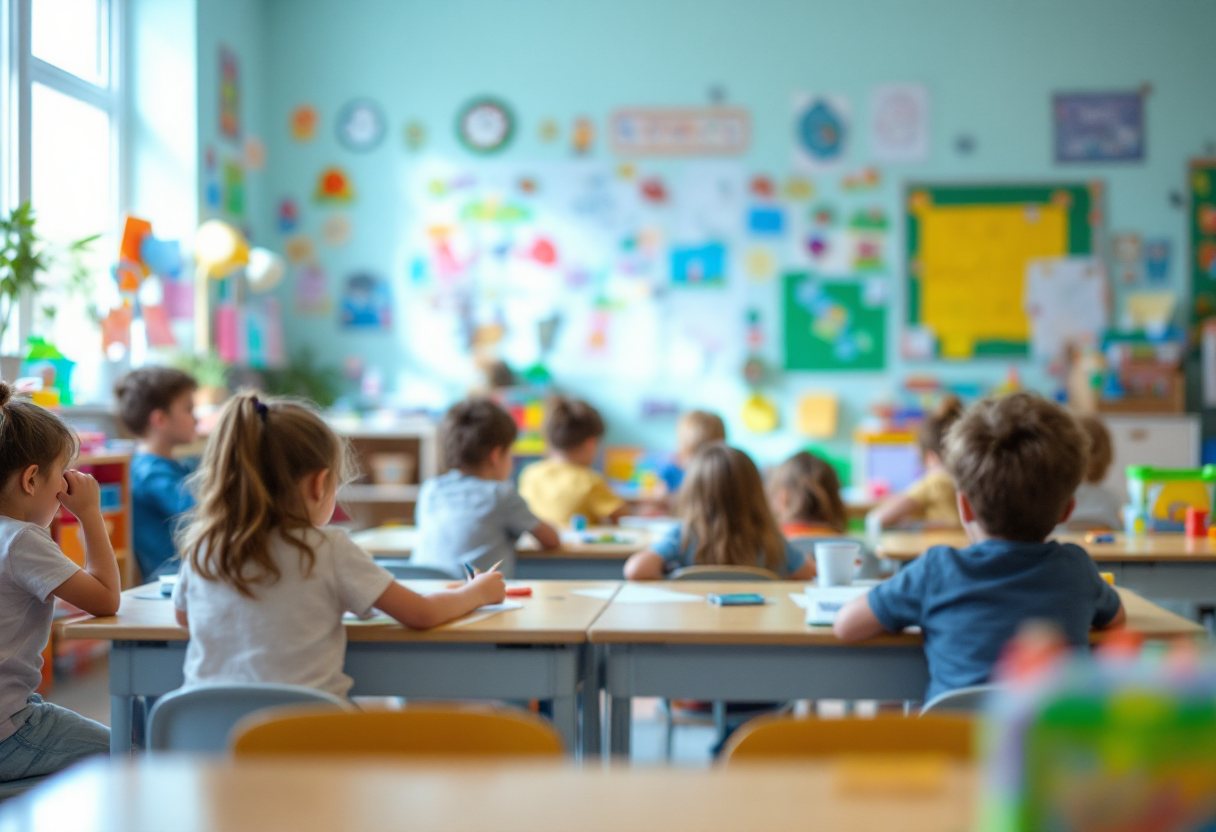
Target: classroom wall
991,67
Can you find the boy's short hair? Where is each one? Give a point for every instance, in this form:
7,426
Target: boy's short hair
1101,452
571,422
471,430
142,392
697,428
1018,459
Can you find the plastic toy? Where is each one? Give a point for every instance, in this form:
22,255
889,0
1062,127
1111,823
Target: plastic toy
1162,495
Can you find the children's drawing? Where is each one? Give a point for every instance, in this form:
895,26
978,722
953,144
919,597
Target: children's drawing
1157,260
303,123
289,215
361,125
333,185
821,130
699,266
899,123
366,302
230,95
311,290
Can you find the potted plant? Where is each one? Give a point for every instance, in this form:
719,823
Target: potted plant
24,259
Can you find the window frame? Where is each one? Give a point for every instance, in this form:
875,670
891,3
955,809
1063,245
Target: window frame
20,69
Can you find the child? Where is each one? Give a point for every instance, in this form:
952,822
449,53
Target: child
157,405
264,581
1096,507
38,738
724,521
1017,461
694,430
931,498
804,493
473,514
564,485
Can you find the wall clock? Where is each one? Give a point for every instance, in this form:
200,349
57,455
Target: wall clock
485,125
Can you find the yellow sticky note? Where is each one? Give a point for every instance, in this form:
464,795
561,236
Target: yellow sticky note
817,415
759,414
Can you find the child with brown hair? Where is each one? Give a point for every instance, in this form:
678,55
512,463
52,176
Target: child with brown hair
472,514
694,430
931,498
804,492
564,485
1096,507
157,405
1017,460
724,521
265,581
36,447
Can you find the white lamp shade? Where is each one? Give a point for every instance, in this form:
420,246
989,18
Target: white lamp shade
265,270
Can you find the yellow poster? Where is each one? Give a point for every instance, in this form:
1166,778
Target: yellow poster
972,269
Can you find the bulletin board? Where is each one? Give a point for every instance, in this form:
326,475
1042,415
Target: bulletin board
968,248
1203,239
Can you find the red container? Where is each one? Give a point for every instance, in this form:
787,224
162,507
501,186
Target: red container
1196,524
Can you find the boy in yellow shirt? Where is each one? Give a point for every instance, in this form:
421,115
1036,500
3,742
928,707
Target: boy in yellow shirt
564,485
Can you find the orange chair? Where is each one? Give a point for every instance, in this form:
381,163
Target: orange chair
766,738
429,731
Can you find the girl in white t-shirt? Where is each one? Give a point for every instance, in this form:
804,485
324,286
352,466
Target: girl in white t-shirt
36,447
264,581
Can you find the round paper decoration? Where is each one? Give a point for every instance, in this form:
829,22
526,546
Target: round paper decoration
821,132
361,125
485,125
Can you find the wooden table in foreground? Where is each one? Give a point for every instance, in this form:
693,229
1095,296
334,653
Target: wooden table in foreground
475,657
196,795
1166,566
576,560
696,650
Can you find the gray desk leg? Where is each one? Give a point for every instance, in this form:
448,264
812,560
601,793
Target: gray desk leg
620,721
592,726
120,725
565,720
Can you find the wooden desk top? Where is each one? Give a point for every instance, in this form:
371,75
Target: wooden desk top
400,541
1151,548
782,622
555,614
198,795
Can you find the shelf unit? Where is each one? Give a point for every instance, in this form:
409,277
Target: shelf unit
370,504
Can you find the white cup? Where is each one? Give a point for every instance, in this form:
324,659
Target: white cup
835,562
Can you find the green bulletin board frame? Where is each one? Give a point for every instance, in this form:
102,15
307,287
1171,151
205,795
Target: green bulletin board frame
1202,188
1084,218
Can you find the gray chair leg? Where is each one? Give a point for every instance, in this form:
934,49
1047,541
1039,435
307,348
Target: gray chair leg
720,719
669,729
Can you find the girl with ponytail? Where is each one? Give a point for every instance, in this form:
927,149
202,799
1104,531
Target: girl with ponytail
804,492
265,581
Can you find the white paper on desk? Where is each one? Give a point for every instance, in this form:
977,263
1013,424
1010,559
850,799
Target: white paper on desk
603,593
822,604
643,594
482,613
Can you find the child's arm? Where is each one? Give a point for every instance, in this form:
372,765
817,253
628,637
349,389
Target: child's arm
857,622
806,572
893,509
421,612
1118,621
96,589
546,536
182,620
646,565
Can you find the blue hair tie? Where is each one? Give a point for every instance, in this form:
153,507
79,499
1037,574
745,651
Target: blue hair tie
260,408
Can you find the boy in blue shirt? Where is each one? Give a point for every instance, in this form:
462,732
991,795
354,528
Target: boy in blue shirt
472,514
156,404
1016,462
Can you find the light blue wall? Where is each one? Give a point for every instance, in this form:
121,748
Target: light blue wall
991,67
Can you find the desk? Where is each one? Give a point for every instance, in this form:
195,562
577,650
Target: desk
574,561
768,653
196,795
538,652
1170,566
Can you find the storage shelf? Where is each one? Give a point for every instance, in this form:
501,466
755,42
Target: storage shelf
372,493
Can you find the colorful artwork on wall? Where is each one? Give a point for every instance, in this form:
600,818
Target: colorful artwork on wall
230,95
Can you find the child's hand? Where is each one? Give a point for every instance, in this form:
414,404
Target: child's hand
489,587
83,494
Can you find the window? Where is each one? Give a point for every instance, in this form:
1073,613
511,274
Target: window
64,148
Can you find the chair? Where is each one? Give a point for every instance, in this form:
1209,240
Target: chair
967,700
767,738
426,731
200,719
16,788
403,570
723,573
722,721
